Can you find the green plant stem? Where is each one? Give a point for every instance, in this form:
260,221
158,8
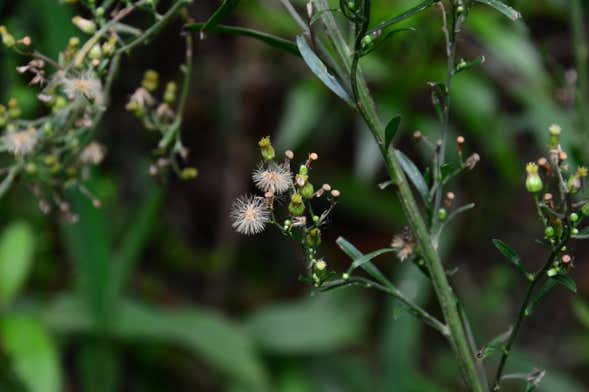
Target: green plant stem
581,58
522,312
367,109
156,27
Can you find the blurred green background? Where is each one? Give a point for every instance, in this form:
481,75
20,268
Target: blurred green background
155,292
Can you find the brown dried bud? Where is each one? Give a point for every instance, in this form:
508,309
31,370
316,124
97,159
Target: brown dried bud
566,259
450,196
335,193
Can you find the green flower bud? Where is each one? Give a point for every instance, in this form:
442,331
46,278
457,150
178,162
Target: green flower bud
442,214
315,218
574,217
189,173
170,94
345,276
14,109
303,170
95,53
31,169
367,41
266,148
533,180
7,39
307,191
549,232
150,80
85,25
296,207
552,272
100,11
314,237
575,231
554,136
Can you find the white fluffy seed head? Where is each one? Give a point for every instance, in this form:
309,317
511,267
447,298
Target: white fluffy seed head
274,178
93,154
83,85
22,142
249,214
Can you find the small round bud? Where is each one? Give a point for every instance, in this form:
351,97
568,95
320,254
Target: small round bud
26,41
313,156
566,259
100,11
574,217
562,156
189,173
460,9
315,218
326,187
85,25
549,232
547,197
345,276
289,154
575,231
417,135
442,214
335,193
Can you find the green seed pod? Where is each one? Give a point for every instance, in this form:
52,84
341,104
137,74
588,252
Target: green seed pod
549,232
442,214
574,217
307,191
533,180
266,148
296,207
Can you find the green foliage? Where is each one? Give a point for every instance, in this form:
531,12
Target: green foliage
17,245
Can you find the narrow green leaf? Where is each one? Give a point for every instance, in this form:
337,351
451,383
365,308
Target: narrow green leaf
358,262
269,39
32,352
546,287
219,342
503,8
354,253
510,255
219,14
391,130
405,15
414,174
283,328
494,345
16,253
135,240
320,70
566,281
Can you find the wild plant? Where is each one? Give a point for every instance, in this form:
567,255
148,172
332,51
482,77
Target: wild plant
429,207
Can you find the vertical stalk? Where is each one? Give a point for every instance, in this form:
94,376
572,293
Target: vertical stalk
581,57
366,107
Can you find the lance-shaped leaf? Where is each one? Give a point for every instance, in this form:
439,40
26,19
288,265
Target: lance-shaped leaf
503,8
391,130
511,255
405,15
269,39
414,174
566,281
360,261
219,14
320,70
16,256
354,253
494,345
